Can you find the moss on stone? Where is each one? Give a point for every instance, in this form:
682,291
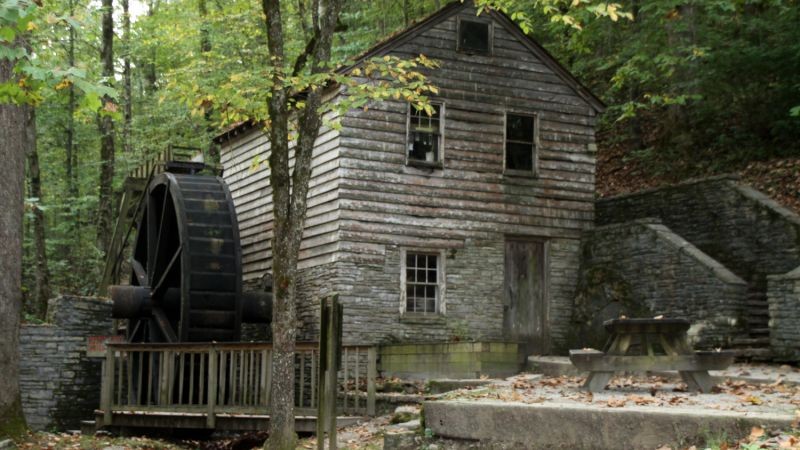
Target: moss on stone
12,422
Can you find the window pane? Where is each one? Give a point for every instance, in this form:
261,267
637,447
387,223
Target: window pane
420,117
432,276
411,260
474,37
421,276
410,275
431,306
519,156
424,147
432,261
424,134
519,128
420,291
430,291
410,304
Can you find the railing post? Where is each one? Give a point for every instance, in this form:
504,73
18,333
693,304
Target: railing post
211,418
329,363
107,393
372,373
163,378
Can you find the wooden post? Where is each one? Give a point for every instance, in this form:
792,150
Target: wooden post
108,385
329,364
163,378
372,373
335,355
211,419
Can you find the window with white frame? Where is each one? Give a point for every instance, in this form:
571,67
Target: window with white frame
423,273
425,135
520,145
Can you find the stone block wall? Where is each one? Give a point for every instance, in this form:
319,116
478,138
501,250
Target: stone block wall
783,295
642,269
743,229
369,288
60,385
450,360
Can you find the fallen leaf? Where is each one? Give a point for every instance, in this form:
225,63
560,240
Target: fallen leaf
753,400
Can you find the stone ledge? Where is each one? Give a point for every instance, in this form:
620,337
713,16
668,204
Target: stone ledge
558,425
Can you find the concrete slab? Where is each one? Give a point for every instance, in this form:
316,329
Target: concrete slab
445,385
561,425
555,366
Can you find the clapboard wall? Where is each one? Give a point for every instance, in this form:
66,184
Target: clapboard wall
366,204
246,170
469,206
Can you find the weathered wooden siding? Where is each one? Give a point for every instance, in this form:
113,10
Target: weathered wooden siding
366,204
244,160
386,204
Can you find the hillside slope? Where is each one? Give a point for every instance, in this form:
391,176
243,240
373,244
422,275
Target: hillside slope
621,170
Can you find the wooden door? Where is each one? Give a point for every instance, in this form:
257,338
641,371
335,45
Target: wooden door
525,309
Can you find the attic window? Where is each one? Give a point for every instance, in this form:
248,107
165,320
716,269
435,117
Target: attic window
474,37
425,136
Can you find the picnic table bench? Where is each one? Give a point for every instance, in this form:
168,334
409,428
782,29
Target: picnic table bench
640,345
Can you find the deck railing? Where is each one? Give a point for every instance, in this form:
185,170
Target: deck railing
226,378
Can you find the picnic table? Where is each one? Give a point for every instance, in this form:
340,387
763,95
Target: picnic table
640,345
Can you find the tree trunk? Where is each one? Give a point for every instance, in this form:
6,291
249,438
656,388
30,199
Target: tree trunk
127,112
69,147
41,291
150,66
289,191
106,127
281,425
13,136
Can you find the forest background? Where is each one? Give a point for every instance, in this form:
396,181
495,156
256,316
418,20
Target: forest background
694,87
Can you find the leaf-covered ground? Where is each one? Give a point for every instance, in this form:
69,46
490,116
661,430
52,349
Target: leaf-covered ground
621,171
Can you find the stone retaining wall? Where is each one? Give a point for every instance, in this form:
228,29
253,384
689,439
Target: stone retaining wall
742,228
60,385
783,295
642,269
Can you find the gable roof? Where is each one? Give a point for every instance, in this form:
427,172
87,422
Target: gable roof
396,39
407,34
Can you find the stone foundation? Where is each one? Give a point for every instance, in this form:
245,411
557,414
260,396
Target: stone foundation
60,385
783,295
642,269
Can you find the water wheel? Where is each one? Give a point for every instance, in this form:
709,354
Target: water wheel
186,266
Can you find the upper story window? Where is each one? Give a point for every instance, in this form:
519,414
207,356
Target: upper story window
521,131
425,136
474,37
423,274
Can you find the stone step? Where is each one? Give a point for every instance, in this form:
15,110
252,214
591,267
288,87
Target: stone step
759,332
753,353
744,342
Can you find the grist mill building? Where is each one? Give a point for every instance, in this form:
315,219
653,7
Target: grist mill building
465,225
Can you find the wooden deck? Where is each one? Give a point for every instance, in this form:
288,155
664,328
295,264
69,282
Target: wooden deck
224,385
224,421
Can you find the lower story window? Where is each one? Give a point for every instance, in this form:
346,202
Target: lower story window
422,282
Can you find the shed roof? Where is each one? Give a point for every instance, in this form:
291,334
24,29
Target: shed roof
396,39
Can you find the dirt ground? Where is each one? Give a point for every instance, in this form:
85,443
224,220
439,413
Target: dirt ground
780,396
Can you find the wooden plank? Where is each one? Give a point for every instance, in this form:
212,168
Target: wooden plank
698,361
372,373
213,387
107,393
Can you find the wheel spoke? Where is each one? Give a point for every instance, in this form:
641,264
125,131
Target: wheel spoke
161,286
161,220
164,325
138,270
151,237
